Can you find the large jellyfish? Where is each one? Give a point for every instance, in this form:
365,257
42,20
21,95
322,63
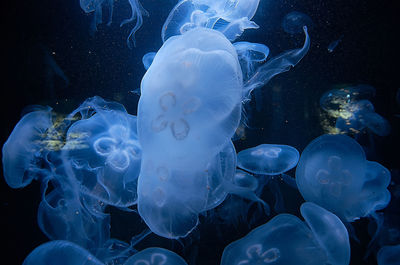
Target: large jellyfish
334,173
104,152
230,18
24,149
285,239
155,256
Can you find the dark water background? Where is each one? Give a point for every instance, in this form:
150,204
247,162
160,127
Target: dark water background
103,65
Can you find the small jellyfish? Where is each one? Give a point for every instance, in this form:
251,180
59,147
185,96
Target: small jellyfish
268,159
294,22
148,59
155,256
61,252
286,240
334,173
271,160
23,150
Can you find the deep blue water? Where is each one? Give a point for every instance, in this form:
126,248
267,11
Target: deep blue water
103,65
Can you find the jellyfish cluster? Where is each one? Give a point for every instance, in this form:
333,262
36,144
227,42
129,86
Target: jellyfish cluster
175,162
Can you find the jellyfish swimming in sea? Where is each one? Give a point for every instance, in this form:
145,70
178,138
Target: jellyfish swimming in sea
225,16
270,161
23,151
285,239
333,172
294,22
61,252
332,46
97,6
148,59
107,162
155,256
389,255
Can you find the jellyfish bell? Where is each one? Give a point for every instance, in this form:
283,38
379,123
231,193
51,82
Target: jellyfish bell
268,159
24,148
150,256
61,252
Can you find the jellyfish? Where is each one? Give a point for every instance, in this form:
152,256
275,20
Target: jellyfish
270,160
61,252
229,18
249,55
294,22
190,98
23,151
97,6
389,255
148,59
155,256
285,239
334,173
104,152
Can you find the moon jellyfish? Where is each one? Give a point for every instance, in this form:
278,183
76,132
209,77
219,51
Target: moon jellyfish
249,55
148,59
268,159
294,22
22,152
104,152
334,173
155,256
389,255
225,16
97,6
190,98
62,253
285,239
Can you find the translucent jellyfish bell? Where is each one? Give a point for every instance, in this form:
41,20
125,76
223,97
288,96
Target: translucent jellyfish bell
155,256
334,173
104,152
268,159
190,97
62,253
286,240
23,148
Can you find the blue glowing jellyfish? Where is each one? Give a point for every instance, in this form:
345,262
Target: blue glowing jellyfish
148,59
23,151
294,22
62,253
285,239
104,152
227,17
389,255
334,173
155,256
268,159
